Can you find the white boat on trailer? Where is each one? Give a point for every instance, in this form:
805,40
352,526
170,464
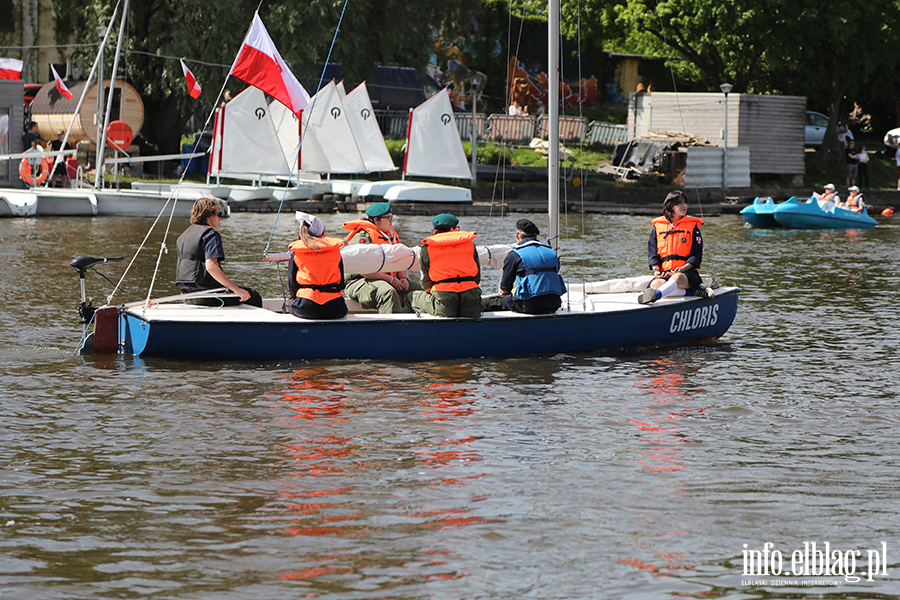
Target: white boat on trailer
593,317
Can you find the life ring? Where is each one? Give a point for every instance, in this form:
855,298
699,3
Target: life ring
25,171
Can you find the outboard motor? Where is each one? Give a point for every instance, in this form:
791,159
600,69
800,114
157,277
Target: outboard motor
105,337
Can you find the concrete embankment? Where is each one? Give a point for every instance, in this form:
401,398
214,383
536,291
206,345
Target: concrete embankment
503,199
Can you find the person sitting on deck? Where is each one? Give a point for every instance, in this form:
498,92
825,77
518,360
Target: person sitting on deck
384,291
451,272
675,251
199,253
317,272
530,282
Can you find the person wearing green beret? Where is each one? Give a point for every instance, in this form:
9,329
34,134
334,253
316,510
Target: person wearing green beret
382,291
451,273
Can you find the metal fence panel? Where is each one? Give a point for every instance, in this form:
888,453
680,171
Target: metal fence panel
393,123
705,168
511,129
606,134
571,129
464,125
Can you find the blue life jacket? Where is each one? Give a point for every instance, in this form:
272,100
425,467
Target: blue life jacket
541,271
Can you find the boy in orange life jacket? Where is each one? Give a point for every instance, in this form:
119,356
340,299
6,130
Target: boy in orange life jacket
451,272
675,251
384,291
317,272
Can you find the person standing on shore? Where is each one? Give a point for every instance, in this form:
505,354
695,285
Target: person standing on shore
863,170
852,162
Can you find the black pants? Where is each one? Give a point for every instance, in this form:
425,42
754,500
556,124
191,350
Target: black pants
307,309
862,174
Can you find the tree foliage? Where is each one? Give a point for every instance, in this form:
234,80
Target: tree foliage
209,37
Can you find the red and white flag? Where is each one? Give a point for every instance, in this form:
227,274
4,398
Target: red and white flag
10,68
259,64
193,87
60,86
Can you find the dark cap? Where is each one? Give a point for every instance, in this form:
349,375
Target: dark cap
527,227
379,209
444,220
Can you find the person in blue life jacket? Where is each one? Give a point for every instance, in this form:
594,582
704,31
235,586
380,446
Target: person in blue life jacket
199,253
530,282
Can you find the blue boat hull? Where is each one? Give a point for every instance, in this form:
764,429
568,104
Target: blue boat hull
411,338
797,214
761,213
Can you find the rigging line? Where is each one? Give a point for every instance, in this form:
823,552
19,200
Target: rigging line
296,162
53,47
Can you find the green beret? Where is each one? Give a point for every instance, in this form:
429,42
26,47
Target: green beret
444,220
379,209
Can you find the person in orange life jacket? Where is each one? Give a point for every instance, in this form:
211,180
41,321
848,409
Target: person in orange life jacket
828,195
384,291
199,253
674,252
450,272
317,272
856,201
530,282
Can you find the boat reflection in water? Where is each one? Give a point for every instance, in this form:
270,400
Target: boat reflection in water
334,442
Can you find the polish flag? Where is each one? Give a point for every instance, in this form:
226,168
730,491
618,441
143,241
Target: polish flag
10,68
193,87
60,86
260,65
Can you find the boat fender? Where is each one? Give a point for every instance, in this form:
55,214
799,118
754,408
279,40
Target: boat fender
106,330
887,212
25,171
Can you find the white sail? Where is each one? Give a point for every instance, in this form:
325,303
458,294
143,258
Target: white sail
328,144
246,140
341,91
287,129
366,130
434,148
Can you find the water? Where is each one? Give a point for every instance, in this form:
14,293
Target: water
637,474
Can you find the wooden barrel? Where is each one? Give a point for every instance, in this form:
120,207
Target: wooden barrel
53,112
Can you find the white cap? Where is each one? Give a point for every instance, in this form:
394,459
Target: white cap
829,186
315,224
853,189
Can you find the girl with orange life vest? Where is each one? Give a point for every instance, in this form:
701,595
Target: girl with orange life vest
317,272
451,273
675,251
855,201
383,291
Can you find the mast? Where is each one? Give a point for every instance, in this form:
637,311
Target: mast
553,123
101,143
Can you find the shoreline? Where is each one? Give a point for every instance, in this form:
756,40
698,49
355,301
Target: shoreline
504,199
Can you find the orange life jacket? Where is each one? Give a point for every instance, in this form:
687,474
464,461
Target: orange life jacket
319,273
828,196
854,202
451,261
674,242
375,234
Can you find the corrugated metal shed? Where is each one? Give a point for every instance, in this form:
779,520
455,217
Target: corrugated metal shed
772,127
706,167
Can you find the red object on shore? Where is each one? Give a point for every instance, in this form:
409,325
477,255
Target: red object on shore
887,212
119,136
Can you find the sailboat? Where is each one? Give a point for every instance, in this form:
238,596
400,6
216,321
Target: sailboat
433,149
594,316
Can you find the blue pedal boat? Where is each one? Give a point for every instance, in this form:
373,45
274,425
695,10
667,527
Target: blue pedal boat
761,213
809,213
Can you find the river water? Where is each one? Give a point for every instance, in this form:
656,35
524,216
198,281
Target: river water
639,474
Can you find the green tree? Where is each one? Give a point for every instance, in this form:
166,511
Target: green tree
208,39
